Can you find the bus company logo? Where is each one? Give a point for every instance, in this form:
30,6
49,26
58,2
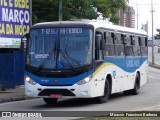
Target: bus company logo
55,81
114,73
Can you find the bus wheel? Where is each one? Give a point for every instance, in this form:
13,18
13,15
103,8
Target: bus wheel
136,89
50,100
104,98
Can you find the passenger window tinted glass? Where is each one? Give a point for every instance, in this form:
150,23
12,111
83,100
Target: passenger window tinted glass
118,39
136,39
136,46
144,48
143,42
128,40
98,51
128,46
109,37
109,49
119,46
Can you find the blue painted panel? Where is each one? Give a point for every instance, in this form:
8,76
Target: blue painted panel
11,69
127,64
6,70
61,81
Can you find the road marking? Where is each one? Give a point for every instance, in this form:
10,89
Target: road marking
21,101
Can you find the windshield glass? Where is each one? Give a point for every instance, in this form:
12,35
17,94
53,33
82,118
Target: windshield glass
60,48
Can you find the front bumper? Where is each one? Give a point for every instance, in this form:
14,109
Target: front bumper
74,91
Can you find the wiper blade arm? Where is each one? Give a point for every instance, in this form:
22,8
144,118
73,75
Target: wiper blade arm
71,58
44,62
50,54
66,58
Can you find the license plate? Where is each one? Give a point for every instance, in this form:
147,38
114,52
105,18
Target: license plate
55,95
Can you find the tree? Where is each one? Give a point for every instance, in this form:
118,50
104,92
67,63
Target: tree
110,8
43,11
80,9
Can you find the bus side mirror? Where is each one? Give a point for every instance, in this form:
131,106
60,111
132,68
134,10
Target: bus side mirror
24,40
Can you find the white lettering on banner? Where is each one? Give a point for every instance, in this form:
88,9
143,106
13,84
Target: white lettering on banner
10,15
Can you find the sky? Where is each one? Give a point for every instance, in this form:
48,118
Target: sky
144,14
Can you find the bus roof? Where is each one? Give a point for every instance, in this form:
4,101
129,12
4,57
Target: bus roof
94,23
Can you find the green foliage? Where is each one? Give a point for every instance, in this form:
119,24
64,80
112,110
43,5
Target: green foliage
80,9
44,10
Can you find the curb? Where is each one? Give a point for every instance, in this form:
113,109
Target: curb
11,99
154,65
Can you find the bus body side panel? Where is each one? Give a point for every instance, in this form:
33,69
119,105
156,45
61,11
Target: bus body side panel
124,72
144,73
99,80
100,76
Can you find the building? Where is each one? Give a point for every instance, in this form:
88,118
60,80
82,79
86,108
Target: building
145,27
127,17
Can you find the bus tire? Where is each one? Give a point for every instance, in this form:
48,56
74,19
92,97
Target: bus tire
50,100
136,89
105,97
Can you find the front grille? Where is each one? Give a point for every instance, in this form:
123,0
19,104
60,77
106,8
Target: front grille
48,92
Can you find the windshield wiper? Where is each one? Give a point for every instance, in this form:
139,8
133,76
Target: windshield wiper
66,58
44,62
71,58
50,54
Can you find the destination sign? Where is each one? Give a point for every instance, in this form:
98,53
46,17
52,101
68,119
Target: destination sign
62,31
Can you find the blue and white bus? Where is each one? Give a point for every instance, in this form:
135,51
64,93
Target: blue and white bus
84,59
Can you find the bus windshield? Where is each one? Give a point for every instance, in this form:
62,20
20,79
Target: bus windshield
60,48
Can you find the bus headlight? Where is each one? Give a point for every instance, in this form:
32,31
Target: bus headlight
29,80
85,80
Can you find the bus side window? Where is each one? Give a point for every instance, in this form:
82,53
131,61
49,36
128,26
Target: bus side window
119,46
128,46
136,46
98,50
144,48
109,49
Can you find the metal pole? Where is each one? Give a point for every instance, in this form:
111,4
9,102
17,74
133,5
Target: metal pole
60,11
30,13
128,16
137,13
152,33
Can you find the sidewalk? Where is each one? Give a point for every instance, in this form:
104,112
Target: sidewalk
154,65
12,95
